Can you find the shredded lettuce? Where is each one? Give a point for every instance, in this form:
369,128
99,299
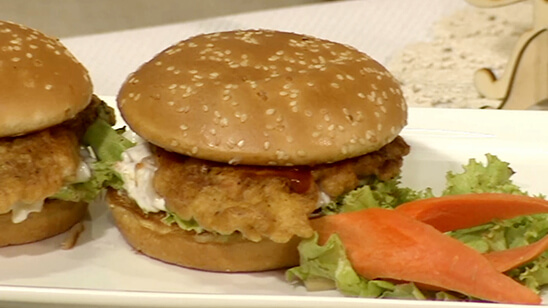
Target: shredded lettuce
328,264
102,175
107,145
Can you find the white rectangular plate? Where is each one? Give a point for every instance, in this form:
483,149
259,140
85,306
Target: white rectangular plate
102,270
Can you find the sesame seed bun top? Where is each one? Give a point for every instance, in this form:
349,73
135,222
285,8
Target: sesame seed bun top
42,83
261,97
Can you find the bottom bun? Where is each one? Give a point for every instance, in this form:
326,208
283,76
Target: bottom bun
149,235
56,217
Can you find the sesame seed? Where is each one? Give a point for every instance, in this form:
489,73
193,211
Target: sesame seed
280,154
205,108
171,103
301,153
234,160
270,111
266,145
241,143
361,95
15,59
48,87
379,101
283,93
369,135
335,85
194,150
340,77
183,127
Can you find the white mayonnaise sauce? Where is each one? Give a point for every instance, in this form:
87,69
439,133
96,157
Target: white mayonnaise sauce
323,199
20,210
137,169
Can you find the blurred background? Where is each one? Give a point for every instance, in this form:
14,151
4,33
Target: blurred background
98,16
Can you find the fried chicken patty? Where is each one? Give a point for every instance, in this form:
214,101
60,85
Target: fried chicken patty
35,166
263,202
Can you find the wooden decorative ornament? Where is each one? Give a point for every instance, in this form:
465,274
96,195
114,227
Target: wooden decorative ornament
524,83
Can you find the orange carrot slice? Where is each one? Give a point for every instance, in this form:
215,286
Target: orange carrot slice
505,260
385,244
454,212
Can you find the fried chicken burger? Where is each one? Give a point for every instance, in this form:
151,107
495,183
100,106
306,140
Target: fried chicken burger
46,104
245,134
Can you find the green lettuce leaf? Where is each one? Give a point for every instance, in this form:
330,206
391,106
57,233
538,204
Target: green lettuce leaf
102,175
188,225
512,233
493,177
375,193
325,265
107,145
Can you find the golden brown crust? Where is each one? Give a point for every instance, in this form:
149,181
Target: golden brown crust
56,217
258,202
42,83
35,166
264,98
150,236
